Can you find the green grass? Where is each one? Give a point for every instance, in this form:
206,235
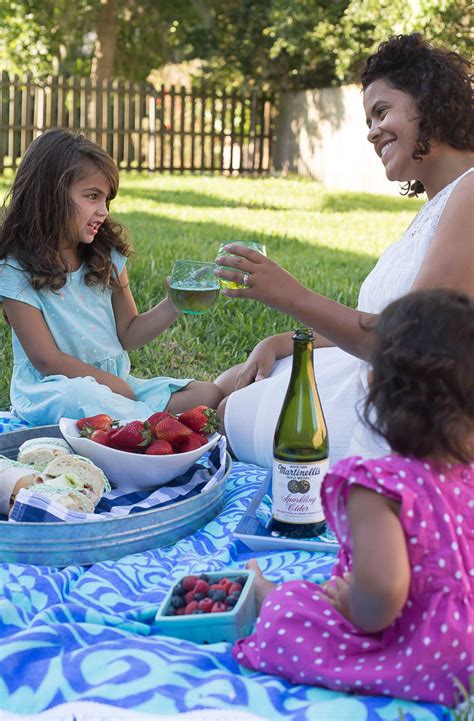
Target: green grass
329,240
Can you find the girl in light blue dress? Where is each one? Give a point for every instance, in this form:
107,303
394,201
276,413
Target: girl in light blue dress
65,293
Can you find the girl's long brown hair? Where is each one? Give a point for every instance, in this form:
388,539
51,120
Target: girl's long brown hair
39,214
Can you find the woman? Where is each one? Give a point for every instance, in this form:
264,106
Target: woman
419,110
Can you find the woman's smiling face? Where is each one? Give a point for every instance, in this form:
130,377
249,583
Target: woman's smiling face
393,121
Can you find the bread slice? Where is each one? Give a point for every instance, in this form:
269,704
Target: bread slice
38,452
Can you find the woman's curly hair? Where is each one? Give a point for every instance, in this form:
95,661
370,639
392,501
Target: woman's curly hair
39,214
422,387
439,80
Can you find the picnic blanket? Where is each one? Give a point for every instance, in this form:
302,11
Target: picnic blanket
86,634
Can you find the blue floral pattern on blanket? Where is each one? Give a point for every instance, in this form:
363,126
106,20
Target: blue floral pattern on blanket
85,633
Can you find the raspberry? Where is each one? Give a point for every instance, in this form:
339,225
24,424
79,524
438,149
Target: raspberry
189,582
188,597
191,607
181,611
206,604
218,607
201,586
234,587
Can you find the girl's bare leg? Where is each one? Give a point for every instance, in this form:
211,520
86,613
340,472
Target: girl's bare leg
195,393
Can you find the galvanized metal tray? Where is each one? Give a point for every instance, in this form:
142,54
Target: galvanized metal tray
64,544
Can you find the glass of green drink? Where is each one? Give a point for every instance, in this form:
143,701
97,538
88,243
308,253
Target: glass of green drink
193,286
253,244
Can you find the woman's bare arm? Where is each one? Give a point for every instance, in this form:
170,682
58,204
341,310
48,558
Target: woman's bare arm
448,264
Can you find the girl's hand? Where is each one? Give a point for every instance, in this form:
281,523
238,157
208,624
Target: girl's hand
337,593
258,365
267,282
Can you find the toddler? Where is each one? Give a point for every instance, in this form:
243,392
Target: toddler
397,617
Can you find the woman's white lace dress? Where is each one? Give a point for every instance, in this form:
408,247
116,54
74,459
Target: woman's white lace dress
252,413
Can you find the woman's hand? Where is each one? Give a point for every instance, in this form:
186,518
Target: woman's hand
266,281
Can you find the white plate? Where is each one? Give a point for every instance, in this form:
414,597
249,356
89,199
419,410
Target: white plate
133,470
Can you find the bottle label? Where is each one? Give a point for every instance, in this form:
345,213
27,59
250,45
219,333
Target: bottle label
296,489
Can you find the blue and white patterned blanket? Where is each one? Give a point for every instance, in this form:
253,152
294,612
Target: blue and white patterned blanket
85,633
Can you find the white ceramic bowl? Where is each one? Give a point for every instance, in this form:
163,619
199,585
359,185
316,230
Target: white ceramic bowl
132,470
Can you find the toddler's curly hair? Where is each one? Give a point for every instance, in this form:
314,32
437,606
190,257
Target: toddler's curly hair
439,80
422,387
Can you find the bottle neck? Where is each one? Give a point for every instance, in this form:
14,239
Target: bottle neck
302,357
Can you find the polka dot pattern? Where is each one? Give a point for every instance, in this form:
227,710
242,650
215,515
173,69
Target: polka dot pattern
431,639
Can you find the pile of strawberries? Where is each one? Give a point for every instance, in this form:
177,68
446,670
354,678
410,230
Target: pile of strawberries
198,594
161,434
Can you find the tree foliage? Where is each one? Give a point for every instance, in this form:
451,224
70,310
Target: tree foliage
274,43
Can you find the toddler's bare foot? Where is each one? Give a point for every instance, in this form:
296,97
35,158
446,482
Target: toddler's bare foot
262,586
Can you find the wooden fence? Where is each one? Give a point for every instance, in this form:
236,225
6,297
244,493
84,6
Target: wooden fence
141,127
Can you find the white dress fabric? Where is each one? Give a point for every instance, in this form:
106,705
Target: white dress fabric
252,413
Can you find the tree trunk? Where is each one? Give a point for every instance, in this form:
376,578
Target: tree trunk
106,43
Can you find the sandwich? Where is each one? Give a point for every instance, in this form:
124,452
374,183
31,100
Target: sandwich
73,481
76,473
38,452
13,477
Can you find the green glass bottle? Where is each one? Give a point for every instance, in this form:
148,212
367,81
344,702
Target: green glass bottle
300,449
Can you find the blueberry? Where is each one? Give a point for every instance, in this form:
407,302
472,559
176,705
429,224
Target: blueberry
241,580
178,590
171,611
177,601
217,595
199,596
204,577
232,600
198,610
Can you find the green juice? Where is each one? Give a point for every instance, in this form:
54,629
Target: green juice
193,300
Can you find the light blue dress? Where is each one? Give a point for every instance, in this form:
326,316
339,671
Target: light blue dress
82,323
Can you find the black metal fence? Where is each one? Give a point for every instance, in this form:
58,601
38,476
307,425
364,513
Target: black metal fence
142,128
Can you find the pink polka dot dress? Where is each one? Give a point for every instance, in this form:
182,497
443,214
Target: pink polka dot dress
301,637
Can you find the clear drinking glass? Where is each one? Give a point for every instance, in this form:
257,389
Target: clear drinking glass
254,245
193,287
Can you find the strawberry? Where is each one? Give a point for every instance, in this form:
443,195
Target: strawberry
100,436
159,448
157,417
100,422
171,430
200,419
191,442
133,437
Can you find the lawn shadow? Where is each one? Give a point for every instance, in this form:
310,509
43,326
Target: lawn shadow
195,200
346,202
324,201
